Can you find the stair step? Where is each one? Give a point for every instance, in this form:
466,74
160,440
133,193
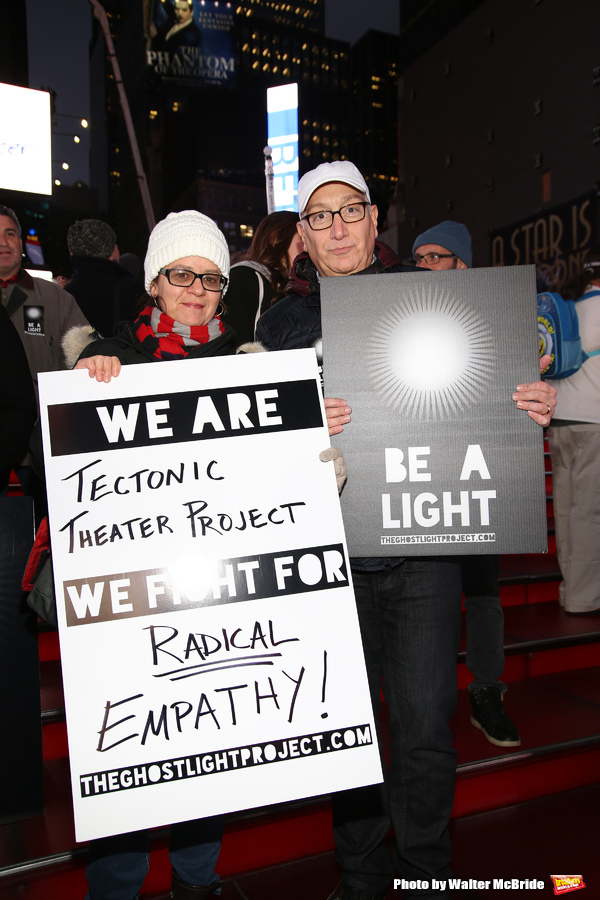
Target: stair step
558,716
534,844
542,626
533,567
532,840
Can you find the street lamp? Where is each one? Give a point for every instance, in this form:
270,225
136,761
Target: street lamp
76,138
83,122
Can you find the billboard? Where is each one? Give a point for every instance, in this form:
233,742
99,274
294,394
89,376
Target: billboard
25,141
282,123
192,42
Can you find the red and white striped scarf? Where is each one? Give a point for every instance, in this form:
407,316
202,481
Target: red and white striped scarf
167,339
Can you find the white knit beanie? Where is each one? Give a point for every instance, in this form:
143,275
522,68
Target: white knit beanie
181,234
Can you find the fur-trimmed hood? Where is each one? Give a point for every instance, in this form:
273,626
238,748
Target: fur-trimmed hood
75,340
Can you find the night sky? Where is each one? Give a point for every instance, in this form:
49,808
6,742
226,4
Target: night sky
58,35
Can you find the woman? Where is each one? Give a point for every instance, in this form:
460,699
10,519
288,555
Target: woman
260,280
186,274
574,440
186,271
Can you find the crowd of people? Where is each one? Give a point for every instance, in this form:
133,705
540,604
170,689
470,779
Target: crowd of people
194,304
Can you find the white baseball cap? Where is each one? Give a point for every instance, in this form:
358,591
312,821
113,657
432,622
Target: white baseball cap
341,170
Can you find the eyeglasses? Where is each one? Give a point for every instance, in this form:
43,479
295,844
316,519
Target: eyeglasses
185,278
432,259
352,212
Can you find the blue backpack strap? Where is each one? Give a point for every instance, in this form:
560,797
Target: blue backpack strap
587,296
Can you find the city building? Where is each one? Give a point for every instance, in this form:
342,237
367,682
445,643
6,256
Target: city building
374,62
499,128
196,82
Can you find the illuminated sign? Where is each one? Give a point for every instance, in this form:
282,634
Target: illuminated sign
557,240
25,142
282,121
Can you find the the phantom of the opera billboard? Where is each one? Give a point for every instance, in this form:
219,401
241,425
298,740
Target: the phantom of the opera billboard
192,42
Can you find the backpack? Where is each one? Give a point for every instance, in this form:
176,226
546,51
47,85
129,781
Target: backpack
558,334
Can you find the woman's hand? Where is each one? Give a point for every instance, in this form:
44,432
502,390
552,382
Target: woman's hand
102,368
538,398
337,413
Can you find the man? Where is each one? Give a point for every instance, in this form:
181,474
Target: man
105,291
448,246
429,253
17,400
185,32
409,609
40,310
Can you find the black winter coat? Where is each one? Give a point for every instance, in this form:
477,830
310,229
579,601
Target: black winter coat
18,409
105,292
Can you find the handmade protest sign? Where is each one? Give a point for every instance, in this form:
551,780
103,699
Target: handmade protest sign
210,647
440,460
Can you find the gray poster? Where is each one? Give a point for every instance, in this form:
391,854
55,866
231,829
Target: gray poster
440,459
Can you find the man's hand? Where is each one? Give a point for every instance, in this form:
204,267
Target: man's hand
538,398
102,368
337,413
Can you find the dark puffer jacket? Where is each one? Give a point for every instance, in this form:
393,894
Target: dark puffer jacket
295,320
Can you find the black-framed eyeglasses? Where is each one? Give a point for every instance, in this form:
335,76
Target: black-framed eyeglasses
351,212
210,281
430,259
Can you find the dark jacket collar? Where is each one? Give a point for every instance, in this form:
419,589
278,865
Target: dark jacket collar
304,279
25,280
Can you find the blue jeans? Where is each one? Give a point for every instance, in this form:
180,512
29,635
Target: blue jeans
117,866
485,620
410,626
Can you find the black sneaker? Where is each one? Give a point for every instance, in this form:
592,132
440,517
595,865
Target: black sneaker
487,714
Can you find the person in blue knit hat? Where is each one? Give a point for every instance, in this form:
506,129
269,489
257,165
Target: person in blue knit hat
448,246
445,246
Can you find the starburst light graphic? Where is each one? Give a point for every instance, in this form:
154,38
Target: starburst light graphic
431,357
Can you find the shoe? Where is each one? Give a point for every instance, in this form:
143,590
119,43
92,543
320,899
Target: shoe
487,714
181,890
345,892
582,612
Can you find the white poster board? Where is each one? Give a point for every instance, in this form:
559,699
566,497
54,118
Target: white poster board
209,640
